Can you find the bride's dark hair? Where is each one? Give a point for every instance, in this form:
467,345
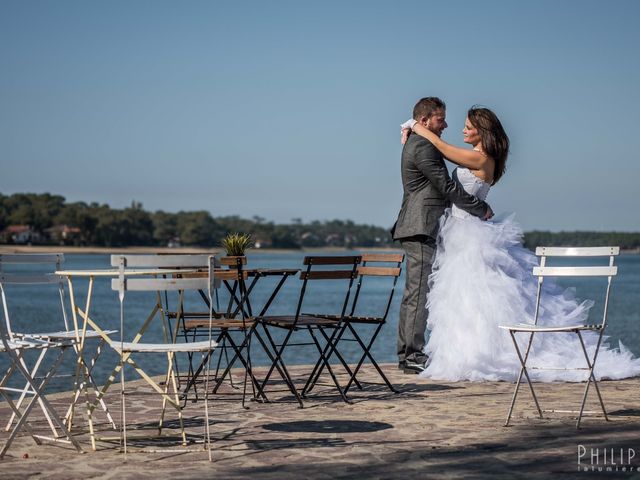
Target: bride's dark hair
495,141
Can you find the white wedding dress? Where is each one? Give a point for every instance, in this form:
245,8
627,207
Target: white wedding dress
482,279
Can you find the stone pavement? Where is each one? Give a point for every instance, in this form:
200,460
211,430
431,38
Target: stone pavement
430,430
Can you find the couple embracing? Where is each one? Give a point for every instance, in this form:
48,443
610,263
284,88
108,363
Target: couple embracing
466,274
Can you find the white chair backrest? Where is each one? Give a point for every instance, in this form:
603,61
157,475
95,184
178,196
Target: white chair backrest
577,251
161,261
575,271
609,271
53,260
47,264
199,274
203,263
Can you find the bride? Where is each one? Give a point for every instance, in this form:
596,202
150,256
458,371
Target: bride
482,279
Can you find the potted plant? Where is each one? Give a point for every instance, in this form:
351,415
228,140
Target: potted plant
235,245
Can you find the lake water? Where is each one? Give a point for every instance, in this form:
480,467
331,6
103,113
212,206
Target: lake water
37,310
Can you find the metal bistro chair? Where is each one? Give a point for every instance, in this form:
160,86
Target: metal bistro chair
542,272
235,318
377,265
126,350
334,269
16,346
69,333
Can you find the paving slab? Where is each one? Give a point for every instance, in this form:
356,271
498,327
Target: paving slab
430,429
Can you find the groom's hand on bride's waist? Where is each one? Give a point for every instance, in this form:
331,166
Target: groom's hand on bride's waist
488,214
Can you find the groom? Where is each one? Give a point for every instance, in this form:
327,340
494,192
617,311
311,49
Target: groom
428,191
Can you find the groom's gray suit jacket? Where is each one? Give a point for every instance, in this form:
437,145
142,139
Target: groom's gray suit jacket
428,191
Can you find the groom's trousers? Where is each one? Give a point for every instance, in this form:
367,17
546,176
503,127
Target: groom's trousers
419,254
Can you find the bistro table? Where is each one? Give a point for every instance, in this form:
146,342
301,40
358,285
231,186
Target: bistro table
83,368
246,323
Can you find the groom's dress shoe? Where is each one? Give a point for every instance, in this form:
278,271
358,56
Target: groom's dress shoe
414,367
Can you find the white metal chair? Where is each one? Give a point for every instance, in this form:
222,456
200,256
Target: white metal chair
69,334
542,272
180,283
16,345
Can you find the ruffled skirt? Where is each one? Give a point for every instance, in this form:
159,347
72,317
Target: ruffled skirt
482,278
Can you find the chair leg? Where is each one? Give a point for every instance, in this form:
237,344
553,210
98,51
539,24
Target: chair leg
83,378
177,406
5,379
367,353
33,373
282,369
266,349
331,347
523,370
18,415
38,397
193,376
325,361
591,378
123,411
168,379
207,427
248,373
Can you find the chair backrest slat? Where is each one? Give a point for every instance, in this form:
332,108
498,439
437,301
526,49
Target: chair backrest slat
29,258
577,251
328,275
337,260
382,257
30,278
161,284
369,268
575,271
379,271
229,275
162,261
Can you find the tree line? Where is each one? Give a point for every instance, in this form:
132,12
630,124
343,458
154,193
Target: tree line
624,240
95,224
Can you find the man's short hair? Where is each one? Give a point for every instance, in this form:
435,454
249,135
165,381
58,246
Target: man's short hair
427,106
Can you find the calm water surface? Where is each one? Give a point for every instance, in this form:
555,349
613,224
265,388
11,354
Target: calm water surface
37,310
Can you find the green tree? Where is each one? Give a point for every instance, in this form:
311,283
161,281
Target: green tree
198,228
165,226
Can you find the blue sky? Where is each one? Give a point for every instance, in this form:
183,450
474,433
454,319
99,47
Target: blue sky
291,109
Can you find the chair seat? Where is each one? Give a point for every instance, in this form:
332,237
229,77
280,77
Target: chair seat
219,323
348,318
193,315
203,346
306,320
27,343
70,335
525,327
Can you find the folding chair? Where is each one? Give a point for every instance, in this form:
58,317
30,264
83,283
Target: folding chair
17,345
542,272
237,317
70,334
334,269
382,266
126,349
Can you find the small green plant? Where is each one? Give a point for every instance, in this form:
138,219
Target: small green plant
236,243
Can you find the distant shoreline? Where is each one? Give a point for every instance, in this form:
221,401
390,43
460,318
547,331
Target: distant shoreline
6,249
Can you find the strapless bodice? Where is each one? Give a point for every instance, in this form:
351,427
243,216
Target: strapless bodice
471,184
